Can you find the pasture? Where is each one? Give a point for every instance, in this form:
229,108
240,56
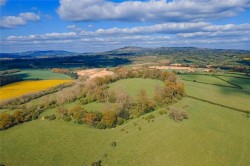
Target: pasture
213,135
41,75
133,85
25,87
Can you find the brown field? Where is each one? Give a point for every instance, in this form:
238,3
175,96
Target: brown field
92,73
172,68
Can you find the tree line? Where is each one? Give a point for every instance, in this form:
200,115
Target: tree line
119,105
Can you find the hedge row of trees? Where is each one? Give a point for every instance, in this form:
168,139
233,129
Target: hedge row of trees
65,71
8,120
119,105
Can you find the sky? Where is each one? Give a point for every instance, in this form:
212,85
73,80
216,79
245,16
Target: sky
101,25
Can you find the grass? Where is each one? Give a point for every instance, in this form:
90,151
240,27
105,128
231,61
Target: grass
227,96
205,78
94,106
212,136
24,87
41,75
243,82
133,85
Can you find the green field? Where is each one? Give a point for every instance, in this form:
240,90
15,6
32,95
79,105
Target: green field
41,75
243,82
205,79
213,135
132,86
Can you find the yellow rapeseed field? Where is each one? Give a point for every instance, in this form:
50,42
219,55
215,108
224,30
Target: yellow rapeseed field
24,87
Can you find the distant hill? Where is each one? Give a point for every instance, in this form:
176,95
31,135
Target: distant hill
37,54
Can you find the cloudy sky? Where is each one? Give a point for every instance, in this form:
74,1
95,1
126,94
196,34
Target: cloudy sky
100,25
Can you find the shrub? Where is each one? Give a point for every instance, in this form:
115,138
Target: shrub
178,115
113,144
139,128
135,124
50,117
67,118
6,121
120,121
109,118
161,112
149,117
97,163
100,125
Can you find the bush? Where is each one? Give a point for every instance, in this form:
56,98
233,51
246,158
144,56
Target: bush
97,163
6,121
178,115
100,126
149,117
67,118
120,121
139,128
161,112
50,117
113,144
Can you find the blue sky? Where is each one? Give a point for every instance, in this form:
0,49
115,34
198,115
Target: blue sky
100,25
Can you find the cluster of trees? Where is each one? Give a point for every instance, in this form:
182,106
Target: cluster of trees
79,115
60,70
65,71
8,79
119,105
178,115
8,120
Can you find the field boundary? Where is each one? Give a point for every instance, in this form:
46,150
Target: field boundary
210,83
227,81
207,101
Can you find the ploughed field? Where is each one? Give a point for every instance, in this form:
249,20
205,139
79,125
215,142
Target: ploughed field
213,134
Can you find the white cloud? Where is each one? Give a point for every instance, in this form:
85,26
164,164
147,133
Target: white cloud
150,11
2,2
167,34
20,20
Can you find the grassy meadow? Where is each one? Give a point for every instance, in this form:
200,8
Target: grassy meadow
133,85
24,87
213,135
41,75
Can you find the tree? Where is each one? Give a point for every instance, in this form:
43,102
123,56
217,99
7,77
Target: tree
17,117
144,104
6,121
90,118
77,112
109,119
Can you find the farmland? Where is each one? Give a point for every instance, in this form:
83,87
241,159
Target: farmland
131,86
41,75
25,87
212,135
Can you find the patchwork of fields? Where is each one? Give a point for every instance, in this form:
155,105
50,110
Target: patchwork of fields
213,135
